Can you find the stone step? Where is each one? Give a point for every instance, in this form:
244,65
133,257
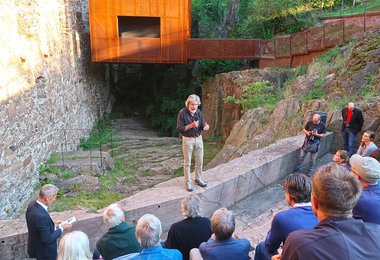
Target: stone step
85,162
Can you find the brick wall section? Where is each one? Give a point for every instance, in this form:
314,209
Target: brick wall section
47,82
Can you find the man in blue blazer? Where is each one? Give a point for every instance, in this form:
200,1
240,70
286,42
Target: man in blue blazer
42,233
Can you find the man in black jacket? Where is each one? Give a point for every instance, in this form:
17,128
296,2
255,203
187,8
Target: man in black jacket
42,232
351,126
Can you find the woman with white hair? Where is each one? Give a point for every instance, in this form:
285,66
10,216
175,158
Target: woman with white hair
74,246
192,230
148,233
190,124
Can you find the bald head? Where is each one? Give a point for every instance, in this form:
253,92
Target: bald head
316,118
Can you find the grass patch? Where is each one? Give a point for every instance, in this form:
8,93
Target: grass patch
54,157
348,10
90,200
102,134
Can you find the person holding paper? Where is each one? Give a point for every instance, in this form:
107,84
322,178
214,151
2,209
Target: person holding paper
42,232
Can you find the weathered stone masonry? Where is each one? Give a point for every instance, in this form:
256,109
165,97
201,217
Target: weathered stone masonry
47,83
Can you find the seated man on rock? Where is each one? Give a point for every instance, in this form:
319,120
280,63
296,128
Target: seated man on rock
120,239
335,191
222,245
297,193
190,232
367,171
148,233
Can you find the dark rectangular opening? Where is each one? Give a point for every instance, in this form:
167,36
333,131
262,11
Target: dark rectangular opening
138,27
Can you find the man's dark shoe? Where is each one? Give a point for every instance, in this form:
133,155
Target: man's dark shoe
189,187
201,183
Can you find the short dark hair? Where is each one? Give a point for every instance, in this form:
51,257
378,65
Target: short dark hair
336,189
343,154
298,186
371,134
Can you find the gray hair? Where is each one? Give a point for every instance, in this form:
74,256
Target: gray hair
336,190
113,215
48,190
193,98
74,246
148,231
191,207
223,223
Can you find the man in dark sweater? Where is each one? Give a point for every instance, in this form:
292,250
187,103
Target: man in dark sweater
299,216
351,126
120,239
190,232
335,191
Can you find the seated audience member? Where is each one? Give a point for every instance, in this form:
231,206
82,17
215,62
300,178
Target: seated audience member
341,158
300,216
148,233
376,154
335,192
367,171
190,232
74,246
221,245
367,146
120,238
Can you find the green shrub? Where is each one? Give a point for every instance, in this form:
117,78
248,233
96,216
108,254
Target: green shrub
258,94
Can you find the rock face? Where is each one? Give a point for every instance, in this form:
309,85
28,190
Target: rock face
48,83
221,115
354,75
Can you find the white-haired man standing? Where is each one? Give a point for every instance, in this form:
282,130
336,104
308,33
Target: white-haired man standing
43,233
190,124
120,239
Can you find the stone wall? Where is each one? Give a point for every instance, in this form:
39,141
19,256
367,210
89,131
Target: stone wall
47,83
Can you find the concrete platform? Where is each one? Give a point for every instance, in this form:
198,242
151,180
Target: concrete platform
229,183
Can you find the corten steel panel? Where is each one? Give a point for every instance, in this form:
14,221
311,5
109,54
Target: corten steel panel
298,43
315,39
140,48
99,7
174,23
222,49
372,21
353,26
334,34
173,47
127,7
301,60
267,48
282,46
173,8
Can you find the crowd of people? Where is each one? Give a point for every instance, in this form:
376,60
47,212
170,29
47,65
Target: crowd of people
333,215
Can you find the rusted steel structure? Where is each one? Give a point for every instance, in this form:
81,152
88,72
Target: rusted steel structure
158,31
150,31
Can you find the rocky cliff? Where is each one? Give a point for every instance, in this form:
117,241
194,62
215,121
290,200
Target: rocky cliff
346,73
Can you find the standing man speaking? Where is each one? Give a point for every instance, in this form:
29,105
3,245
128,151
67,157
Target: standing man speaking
190,124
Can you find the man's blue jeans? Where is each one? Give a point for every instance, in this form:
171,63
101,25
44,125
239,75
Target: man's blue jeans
261,253
348,141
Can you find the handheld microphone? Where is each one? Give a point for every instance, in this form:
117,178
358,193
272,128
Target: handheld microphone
196,118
